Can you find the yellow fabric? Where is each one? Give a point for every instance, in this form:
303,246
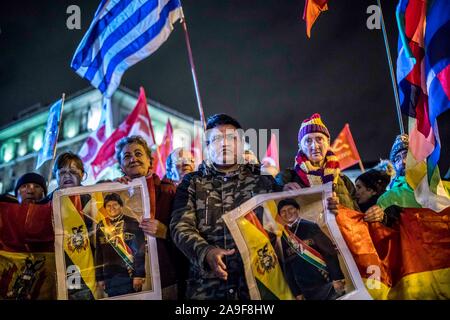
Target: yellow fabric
414,286
80,257
271,278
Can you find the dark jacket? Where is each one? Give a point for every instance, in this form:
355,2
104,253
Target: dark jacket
302,276
197,225
108,261
344,188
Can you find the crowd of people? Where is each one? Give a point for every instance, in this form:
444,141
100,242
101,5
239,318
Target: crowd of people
198,257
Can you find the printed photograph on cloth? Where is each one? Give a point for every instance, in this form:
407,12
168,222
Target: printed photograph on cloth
292,248
100,250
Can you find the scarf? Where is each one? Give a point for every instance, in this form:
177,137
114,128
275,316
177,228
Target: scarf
312,175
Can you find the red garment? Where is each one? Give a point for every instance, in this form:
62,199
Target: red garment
162,193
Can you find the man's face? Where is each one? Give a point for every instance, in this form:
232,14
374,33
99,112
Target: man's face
289,213
113,209
363,194
135,162
69,176
315,146
30,193
400,162
183,163
224,145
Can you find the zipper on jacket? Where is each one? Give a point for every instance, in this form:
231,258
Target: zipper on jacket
206,208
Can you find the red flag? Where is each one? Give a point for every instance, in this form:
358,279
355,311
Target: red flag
196,149
138,122
164,149
312,10
272,152
345,149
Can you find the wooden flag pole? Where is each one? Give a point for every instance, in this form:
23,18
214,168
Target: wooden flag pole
56,143
391,69
361,166
194,74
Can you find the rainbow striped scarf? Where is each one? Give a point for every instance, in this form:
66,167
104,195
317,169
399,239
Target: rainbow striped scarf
312,175
114,234
304,251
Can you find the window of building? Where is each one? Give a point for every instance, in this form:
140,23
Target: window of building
95,114
36,139
7,151
71,126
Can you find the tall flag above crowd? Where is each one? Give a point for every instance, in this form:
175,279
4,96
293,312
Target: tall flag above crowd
51,134
345,149
312,11
423,75
122,33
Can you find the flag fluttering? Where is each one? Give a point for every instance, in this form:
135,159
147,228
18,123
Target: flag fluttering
51,134
410,261
138,122
313,8
423,75
345,149
272,152
122,33
164,149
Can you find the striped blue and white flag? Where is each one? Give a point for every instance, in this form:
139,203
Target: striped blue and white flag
51,134
122,33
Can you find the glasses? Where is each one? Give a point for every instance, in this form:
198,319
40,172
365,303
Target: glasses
318,140
230,137
184,161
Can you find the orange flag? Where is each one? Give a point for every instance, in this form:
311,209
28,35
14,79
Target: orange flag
345,149
411,260
312,10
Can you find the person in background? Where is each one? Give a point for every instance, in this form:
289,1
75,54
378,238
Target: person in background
30,188
179,163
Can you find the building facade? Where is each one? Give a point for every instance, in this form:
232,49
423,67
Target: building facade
21,140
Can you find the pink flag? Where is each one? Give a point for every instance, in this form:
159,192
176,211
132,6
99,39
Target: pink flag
164,149
272,152
138,122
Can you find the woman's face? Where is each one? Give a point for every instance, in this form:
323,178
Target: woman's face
363,194
315,146
69,176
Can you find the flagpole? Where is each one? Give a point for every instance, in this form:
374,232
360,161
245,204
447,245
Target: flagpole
194,74
361,166
391,70
56,143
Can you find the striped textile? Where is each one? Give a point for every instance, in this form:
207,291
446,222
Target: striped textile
122,33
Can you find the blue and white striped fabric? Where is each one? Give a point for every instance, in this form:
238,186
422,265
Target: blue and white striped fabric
123,33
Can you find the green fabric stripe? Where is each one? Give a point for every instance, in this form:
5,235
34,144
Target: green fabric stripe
266,293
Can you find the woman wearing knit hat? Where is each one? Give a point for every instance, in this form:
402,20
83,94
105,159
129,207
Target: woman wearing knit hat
316,164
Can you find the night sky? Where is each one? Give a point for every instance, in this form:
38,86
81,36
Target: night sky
253,61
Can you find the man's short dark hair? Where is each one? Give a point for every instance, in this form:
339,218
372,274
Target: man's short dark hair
287,202
64,159
112,197
221,119
129,140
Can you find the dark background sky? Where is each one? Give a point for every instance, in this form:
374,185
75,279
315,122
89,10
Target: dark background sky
253,61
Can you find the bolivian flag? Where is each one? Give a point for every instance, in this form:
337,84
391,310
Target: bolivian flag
265,266
409,261
76,241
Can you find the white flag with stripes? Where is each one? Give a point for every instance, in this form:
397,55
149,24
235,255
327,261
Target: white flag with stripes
122,33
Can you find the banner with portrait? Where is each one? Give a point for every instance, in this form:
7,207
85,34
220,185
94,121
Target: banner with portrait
292,247
100,250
